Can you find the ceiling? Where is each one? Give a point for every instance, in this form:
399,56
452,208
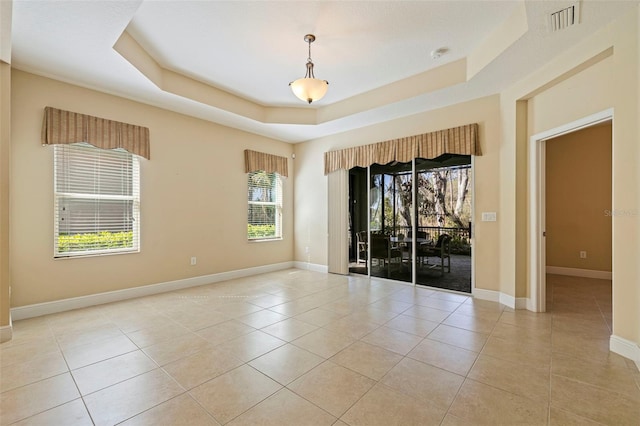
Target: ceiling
230,62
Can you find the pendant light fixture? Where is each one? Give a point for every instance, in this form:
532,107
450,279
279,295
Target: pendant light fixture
309,88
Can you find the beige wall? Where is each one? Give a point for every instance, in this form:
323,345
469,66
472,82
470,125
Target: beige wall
595,75
578,199
194,191
637,162
599,73
311,184
193,199
5,151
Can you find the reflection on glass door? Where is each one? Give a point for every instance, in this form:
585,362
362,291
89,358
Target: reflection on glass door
443,222
429,244
390,214
358,222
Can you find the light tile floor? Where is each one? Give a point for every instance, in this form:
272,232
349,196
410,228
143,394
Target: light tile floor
302,348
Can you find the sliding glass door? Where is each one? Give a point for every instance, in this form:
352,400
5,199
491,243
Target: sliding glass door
443,219
428,245
358,221
391,206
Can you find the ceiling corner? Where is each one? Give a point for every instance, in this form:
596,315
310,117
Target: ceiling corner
6,11
498,41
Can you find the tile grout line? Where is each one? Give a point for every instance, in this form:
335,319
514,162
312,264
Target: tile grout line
466,376
554,321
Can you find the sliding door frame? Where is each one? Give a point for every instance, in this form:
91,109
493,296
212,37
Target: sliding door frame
334,191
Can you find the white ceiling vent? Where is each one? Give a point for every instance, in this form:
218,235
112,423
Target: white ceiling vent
564,18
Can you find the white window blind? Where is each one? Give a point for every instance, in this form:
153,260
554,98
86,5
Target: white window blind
265,206
97,201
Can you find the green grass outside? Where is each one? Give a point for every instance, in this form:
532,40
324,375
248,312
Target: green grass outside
103,240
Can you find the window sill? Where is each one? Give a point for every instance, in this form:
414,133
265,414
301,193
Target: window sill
95,254
264,240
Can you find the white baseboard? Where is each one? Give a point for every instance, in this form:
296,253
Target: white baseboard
514,302
311,267
502,298
626,348
529,306
523,303
39,309
490,295
508,300
576,272
6,332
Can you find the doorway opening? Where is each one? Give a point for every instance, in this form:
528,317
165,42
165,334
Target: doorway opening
427,245
537,225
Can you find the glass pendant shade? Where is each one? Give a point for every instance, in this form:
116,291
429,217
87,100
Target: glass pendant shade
309,89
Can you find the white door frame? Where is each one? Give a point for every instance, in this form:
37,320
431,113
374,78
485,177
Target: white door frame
537,194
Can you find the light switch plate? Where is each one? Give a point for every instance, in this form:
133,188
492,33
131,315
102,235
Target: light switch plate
489,216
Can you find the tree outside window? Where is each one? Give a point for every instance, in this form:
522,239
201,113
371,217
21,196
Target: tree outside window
264,206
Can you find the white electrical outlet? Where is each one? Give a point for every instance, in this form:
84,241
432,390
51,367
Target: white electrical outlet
583,255
193,260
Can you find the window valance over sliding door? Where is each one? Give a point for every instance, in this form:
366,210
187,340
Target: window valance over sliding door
66,127
462,140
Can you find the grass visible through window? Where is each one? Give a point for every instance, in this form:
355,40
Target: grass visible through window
261,231
95,241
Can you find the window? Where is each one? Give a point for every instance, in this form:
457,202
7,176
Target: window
97,201
265,206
